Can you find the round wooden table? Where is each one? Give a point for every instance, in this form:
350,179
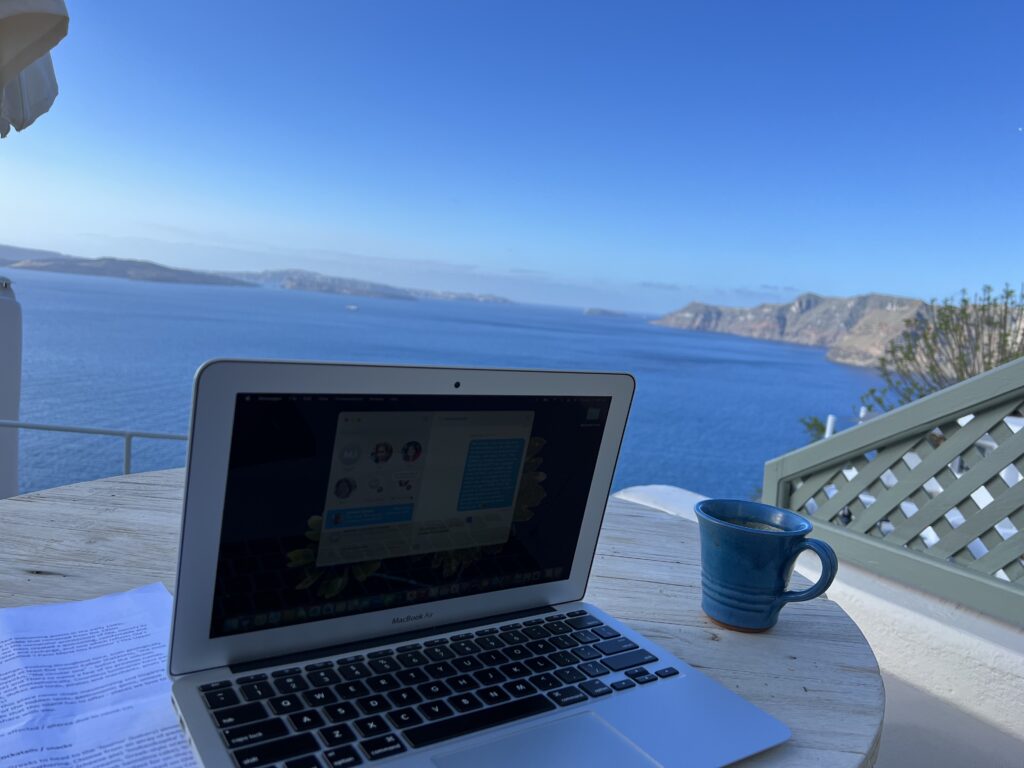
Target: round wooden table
814,671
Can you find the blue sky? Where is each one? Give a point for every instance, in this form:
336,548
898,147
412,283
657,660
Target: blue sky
634,155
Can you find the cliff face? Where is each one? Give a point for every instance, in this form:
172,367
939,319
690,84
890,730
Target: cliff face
855,330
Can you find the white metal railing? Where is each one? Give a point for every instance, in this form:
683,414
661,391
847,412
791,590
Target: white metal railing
125,434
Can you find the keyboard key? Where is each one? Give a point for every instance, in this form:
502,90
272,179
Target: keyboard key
605,632
467,664
587,653
290,672
489,643
546,682
667,672
513,637
352,690
380,654
487,631
536,633
593,669
564,642
412,659
540,664
492,658
322,677
515,669
629,659
439,653
564,659
309,761
320,697
432,733
636,672
382,746
242,714
584,636
405,697
383,666
621,685
510,627
283,705
583,621
462,683
519,688
404,718
434,710
490,676
566,696
351,659
434,690
435,642
558,628
533,622
339,713
412,676
570,675
540,647
555,617
336,735
276,751
517,652
616,645
580,612
356,671
371,705
383,683
223,698
465,647
343,757
252,733
291,684
305,721
372,726
644,679
440,670
319,665
215,686
259,676
595,688
465,702
493,695
409,648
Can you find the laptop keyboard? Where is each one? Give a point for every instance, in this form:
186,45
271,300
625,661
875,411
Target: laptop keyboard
366,707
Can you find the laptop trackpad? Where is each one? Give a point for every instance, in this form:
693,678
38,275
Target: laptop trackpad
560,743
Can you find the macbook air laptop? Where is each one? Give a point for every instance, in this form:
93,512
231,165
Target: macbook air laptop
384,564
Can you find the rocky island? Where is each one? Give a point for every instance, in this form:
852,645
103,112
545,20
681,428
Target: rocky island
855,330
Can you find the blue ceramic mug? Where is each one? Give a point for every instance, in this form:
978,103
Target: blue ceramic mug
747,553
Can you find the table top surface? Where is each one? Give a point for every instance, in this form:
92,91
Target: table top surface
814,671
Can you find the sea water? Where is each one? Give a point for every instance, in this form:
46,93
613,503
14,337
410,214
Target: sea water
709,409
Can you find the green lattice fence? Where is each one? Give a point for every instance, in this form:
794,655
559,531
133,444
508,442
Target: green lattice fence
930,494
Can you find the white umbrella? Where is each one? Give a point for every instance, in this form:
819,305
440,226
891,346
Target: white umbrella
28,86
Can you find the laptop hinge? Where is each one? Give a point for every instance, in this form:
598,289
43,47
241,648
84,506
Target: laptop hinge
373,642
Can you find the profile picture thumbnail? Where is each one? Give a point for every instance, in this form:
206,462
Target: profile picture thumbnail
382,452
344,487
411,451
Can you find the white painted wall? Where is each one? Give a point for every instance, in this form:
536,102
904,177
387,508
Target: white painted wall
962,657
10,386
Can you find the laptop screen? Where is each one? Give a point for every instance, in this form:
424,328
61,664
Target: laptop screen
342,504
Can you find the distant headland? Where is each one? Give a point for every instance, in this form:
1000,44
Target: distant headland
287,279
855,330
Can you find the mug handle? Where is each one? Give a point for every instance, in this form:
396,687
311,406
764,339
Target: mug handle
829,567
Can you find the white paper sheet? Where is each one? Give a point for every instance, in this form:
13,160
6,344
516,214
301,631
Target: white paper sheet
84,684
